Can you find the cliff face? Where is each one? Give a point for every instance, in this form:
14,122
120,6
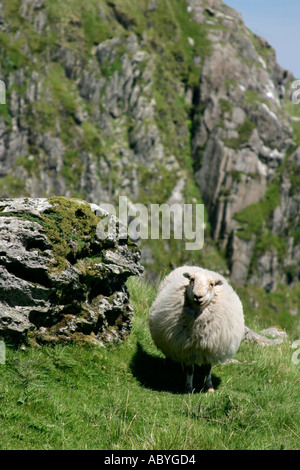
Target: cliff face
244,153
155,100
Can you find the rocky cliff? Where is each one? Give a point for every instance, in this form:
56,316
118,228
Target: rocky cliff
156,100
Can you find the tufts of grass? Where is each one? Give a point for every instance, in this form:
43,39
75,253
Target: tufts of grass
244,131
253,217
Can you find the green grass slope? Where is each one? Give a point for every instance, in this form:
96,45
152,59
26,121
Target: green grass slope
123,397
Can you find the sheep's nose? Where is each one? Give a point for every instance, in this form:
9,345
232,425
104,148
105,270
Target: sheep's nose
198,298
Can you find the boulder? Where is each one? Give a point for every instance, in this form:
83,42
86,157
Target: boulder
59,280
267,337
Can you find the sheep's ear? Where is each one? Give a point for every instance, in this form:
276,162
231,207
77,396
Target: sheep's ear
188,275
218,282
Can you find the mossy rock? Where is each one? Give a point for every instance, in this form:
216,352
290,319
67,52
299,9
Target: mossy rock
59,281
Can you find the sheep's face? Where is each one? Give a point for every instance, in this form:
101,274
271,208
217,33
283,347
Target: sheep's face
201,289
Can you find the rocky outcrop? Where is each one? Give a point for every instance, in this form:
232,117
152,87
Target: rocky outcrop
59,281
266,247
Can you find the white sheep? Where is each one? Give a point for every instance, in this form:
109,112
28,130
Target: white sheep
196,318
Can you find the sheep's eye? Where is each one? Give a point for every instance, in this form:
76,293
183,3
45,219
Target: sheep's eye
211,285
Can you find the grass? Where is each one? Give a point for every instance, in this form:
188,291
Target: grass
294,111
277,308
122,397
244,131
253,216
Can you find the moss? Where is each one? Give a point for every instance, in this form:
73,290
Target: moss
71,228
294,174
108,68
236,175
296,235
11,48
5,113
22,37
230,82
252,97
72,168
95,29
253,217
62,89
91,139
244,131
226,106
59,99
268,240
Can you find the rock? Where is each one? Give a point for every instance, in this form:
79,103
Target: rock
267,267
240,257
58,281
277,336
274,333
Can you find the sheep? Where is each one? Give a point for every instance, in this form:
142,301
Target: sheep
196,318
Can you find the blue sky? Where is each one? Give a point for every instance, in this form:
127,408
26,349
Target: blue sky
279,22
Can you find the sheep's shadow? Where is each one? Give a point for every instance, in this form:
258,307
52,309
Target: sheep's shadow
164,375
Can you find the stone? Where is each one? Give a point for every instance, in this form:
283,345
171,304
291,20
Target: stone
59,282
267,268
240,257
274,333
238,115
277,336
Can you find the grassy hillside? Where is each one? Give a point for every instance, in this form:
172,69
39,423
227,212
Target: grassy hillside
122,397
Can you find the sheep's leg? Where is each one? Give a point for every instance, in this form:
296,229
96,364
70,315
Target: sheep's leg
189,378
208,380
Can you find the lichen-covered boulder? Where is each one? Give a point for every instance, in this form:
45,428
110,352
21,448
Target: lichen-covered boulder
60,281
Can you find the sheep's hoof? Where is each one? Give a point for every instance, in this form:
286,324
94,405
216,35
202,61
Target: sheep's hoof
211,389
